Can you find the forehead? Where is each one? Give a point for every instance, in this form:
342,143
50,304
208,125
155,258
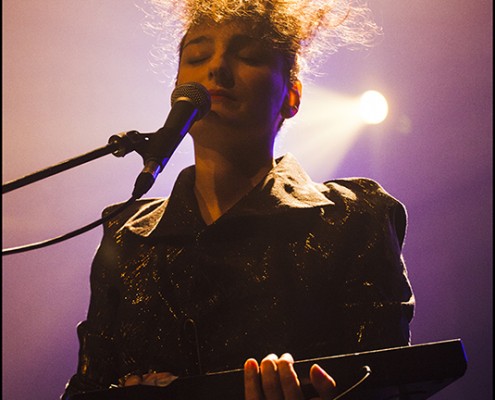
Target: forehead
237,34
226,30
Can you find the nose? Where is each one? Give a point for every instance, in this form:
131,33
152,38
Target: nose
220,71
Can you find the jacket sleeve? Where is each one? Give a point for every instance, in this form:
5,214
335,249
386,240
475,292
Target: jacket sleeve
377,298
98,351
96,362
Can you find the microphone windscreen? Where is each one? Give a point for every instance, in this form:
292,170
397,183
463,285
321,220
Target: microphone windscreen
194,93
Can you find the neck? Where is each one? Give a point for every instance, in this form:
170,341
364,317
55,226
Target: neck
223,178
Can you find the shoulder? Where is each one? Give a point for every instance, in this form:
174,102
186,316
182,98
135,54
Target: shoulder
361,190
112,241
367,196
140,209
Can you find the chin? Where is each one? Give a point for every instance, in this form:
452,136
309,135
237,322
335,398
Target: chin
220,118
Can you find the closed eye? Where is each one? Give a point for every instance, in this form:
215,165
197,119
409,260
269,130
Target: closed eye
196,60
252,53
252,59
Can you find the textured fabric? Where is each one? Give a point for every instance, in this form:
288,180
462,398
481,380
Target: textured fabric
295,266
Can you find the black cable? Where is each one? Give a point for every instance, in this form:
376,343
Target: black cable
33,246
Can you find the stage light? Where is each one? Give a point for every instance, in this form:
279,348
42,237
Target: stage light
324,130
373,107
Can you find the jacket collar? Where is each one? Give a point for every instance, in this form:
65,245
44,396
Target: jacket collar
287,186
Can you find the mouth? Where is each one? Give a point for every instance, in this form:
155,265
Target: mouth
219,94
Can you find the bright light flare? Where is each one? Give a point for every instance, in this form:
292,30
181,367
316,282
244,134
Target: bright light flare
373,107
323,131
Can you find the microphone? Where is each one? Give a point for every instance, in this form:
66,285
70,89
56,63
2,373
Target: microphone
190,102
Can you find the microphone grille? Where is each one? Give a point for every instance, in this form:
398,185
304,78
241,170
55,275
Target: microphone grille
194,93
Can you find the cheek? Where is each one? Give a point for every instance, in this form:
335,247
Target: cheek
188,73
270,91
184,75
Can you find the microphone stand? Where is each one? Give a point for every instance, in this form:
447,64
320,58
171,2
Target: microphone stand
119,145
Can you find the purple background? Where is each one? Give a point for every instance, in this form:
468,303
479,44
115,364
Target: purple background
76,72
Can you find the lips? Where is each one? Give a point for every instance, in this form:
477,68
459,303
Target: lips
219,94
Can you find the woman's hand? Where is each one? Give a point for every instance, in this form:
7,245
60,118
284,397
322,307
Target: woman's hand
276,379
151,378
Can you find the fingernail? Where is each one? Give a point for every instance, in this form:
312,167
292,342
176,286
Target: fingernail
251,365
319,371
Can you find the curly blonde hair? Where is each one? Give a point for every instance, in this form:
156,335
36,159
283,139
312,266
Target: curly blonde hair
302,30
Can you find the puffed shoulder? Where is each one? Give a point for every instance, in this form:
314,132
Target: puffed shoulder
367,192
136,210
361,187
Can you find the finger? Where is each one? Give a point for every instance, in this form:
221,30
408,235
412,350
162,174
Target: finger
252,382
288,378
158,379
165,378
269,378
322,382
272,356
132,380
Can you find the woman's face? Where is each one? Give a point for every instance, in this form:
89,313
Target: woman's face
245,78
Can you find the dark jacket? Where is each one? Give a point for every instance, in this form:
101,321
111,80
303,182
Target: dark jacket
295,266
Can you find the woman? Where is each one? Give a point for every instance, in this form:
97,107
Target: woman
248,256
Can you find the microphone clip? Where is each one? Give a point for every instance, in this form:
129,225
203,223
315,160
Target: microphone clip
127,142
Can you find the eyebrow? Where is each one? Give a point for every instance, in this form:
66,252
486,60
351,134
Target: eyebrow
238,39
199,39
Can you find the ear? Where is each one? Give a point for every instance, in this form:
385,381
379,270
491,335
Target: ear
292,100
